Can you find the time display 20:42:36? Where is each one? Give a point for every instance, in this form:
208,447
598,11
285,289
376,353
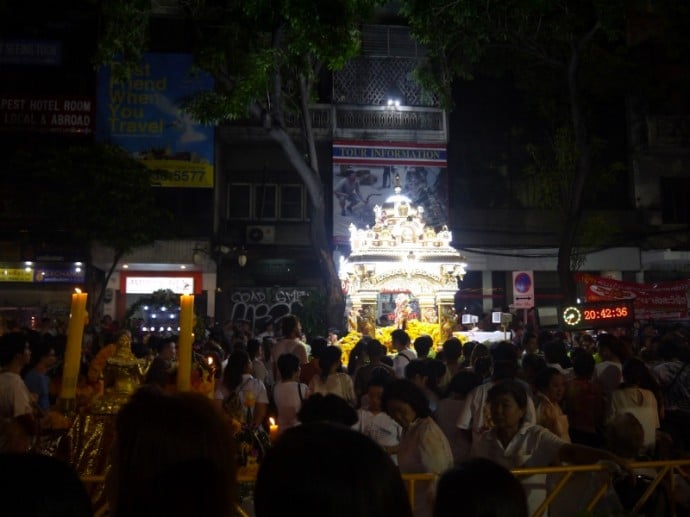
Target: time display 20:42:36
605,313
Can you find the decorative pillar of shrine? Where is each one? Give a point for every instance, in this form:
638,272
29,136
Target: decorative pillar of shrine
446,313
368,301
353,317
427,308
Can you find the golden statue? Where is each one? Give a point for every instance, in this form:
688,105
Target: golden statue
353,320
122,375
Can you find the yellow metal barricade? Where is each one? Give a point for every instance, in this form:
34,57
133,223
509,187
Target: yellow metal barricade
665,473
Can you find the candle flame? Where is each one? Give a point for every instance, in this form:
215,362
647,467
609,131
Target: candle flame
210,360
77,290
272,421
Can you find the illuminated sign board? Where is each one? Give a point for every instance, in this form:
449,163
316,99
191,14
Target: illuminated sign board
619,313
16,275
149,284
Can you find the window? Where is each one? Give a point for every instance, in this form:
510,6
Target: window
266,202
291,202
675,200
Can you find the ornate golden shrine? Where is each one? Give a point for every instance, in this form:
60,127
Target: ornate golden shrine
400,254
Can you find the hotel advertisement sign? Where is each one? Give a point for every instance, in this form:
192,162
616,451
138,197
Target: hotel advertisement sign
47,114
143,114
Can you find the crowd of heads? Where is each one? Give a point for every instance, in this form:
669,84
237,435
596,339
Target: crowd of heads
174,454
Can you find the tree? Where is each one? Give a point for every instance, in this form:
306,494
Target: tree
88,193
566,53
267,59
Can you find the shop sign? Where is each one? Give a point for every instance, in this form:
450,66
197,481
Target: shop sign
150,284
47,114
30,52
16,275
60,275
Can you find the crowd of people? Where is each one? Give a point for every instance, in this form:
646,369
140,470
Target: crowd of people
466,412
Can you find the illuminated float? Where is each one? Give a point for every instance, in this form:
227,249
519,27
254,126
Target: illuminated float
400,274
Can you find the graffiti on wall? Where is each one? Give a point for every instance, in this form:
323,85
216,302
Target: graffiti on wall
261,305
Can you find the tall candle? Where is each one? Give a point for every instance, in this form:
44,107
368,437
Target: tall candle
184,344
75,334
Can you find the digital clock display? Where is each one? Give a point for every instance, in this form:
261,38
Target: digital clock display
597,315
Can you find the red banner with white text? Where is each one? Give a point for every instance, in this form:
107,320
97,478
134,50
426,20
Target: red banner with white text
657,301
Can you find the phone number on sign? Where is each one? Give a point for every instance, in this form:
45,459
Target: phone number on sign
186,176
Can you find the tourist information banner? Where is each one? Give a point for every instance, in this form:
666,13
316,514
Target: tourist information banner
364,175
144,115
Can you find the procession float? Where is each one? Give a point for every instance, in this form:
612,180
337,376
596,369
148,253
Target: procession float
400,273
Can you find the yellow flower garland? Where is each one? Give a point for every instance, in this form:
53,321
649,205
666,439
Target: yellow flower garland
414,329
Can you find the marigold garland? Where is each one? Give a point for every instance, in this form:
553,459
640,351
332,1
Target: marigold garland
414,329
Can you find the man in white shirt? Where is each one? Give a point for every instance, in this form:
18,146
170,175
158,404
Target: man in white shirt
402,343
15,398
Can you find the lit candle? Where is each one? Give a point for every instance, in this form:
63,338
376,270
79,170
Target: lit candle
184,345
212,378
75,333
272,430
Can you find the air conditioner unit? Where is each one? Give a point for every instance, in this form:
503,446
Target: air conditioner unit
261,234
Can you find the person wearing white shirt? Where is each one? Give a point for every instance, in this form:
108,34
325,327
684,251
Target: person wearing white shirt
515,443
475,416
402,343
248,394
15,354
289,394
291,343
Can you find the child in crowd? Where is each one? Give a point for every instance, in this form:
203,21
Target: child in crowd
376,423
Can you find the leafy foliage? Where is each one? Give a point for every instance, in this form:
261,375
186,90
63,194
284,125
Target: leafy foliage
94,192
267,58
567,57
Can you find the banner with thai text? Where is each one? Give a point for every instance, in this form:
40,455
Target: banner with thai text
661,300
46,114
144,115
365,175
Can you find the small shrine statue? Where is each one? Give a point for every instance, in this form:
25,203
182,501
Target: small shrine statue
353,320
402,311
122,375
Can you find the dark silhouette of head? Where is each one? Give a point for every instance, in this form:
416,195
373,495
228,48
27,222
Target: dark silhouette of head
173,455
42,486
327,408
327,470
489,490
